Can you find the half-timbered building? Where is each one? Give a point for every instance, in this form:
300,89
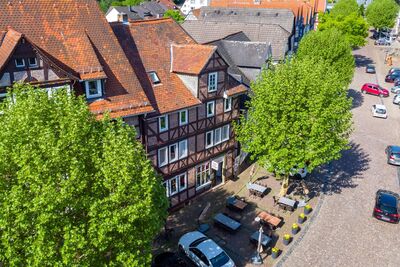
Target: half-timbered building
189,138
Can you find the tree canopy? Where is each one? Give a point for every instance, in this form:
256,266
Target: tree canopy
105,4
174,14
331,48
382,13
348,21
74,191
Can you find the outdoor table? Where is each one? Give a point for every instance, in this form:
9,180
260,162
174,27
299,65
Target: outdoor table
226,222
265,240
256,188
287,202
236,204
269,219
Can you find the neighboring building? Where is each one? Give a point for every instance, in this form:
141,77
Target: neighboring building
272,34
145,10
190,5
189,138
176,93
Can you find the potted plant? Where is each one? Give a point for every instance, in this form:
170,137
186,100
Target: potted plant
286,239
307,209
302,218
275,252
295,228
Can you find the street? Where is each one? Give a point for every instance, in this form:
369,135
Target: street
345,233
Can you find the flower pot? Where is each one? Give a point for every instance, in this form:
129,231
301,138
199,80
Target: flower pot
275,254
307,210
286,241
301,219
295,230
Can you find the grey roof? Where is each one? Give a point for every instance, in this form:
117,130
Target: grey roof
141,11
283,17
247,54
209,31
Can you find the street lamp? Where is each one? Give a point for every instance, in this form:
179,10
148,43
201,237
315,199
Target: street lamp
256,259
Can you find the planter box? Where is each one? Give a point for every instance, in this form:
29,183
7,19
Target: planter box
286,241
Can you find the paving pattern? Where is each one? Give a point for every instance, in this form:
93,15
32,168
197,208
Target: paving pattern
344,233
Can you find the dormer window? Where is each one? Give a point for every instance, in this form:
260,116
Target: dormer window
154,77
19,62
212,81
32,61
93,89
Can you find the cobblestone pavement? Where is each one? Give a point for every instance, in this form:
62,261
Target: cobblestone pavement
344,233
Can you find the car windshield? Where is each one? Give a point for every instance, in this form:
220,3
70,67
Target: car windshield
380,111
220,260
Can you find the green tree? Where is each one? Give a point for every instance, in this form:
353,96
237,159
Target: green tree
105,4
73,191
353,26
331,48
175,15
298,112
344,8
382,13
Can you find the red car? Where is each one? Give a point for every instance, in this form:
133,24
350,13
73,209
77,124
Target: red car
374,89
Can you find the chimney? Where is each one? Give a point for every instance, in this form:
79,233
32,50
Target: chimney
123,17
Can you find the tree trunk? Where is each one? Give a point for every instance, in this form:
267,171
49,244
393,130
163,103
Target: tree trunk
285,185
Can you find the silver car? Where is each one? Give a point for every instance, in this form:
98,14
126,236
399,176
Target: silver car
393,155
396,99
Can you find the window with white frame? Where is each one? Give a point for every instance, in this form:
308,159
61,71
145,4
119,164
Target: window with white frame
175,184
173,152
217,136
93,88
210,108
32,61
183,149
162,156
209,139
212,81
163,123
202,174
227,104
183,117
19,62
225,133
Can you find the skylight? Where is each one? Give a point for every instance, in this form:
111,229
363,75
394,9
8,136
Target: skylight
154,77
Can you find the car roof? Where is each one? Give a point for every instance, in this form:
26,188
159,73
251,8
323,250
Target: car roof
373,84
209,248
190,237
380,106
395,148
387,198
370,66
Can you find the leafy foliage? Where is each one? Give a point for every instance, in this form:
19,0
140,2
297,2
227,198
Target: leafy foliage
331,48
349,22
299,112
73,191
105,4
174,14
382,13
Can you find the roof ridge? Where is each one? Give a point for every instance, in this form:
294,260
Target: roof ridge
150,21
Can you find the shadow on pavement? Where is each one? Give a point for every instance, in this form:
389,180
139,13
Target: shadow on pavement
342,172
357,97
362,61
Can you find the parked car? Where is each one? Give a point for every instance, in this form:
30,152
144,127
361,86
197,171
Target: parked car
393,155
387,206
396,82
396,99
370,69
203,251
395,89
383,41
379,111
374,89
393,69
390,78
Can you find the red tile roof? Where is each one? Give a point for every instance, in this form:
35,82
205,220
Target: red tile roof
303,8
147,44
76,35
191,58
239,89
8,42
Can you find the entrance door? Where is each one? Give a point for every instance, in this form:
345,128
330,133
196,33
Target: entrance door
217,166
218,174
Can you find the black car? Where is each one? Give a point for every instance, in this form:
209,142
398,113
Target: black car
391,77
387,206
370,69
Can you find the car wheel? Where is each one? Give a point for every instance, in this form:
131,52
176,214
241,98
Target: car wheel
181,250
381,95
362,91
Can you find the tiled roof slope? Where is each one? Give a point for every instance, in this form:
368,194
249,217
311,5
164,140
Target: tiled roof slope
147,44
8,42
282,17
299,7
209,31
190,58
76,34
